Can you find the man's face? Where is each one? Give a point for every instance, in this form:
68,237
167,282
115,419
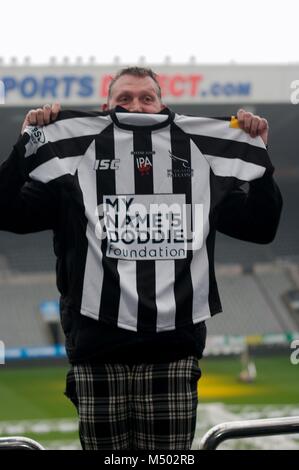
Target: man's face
136,94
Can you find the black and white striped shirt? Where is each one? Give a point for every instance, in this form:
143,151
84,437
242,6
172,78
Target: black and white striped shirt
141,193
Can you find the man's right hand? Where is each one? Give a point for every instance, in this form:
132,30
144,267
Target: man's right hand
41,116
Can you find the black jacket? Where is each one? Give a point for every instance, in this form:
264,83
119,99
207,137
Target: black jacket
28,206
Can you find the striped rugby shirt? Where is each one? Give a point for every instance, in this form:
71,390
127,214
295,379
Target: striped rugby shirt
141,192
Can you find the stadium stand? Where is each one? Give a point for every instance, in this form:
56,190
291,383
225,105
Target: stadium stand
251,304
27,253
21,323
273,282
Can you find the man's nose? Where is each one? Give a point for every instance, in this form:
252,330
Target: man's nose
136,106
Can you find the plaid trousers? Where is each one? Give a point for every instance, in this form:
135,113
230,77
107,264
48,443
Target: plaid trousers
141,406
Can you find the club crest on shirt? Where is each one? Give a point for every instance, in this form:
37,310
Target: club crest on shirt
181,167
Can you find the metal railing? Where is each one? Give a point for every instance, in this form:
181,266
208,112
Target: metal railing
19,443
248,428
210,441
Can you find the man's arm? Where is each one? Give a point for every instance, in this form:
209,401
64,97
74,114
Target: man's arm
252,216
25,207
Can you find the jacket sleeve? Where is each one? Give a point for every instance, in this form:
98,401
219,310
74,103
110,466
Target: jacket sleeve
254,215
25,206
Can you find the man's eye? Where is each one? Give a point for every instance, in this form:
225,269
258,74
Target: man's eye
123,98
148,98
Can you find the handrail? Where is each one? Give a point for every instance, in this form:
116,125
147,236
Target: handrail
19,443
248,428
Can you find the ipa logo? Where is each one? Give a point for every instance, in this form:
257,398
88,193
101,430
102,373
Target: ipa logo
2,93
2,353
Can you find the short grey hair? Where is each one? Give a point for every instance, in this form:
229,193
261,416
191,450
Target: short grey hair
140,72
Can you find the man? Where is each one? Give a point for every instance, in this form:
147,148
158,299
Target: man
135,328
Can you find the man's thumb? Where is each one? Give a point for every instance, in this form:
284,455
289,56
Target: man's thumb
56,108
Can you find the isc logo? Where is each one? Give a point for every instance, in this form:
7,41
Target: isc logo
107,164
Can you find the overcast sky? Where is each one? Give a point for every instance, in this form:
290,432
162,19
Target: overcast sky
214,31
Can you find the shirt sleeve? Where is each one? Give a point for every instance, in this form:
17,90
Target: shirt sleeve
240,156
233,155
25,206
254,215
49,152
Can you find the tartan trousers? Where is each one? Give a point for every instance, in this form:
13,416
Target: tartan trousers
141,406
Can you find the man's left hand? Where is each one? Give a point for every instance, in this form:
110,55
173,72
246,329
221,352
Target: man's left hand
253,124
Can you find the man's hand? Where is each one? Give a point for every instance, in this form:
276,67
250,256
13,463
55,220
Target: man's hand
41,116
253,125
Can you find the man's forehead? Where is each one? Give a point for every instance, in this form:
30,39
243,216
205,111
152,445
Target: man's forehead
128,82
